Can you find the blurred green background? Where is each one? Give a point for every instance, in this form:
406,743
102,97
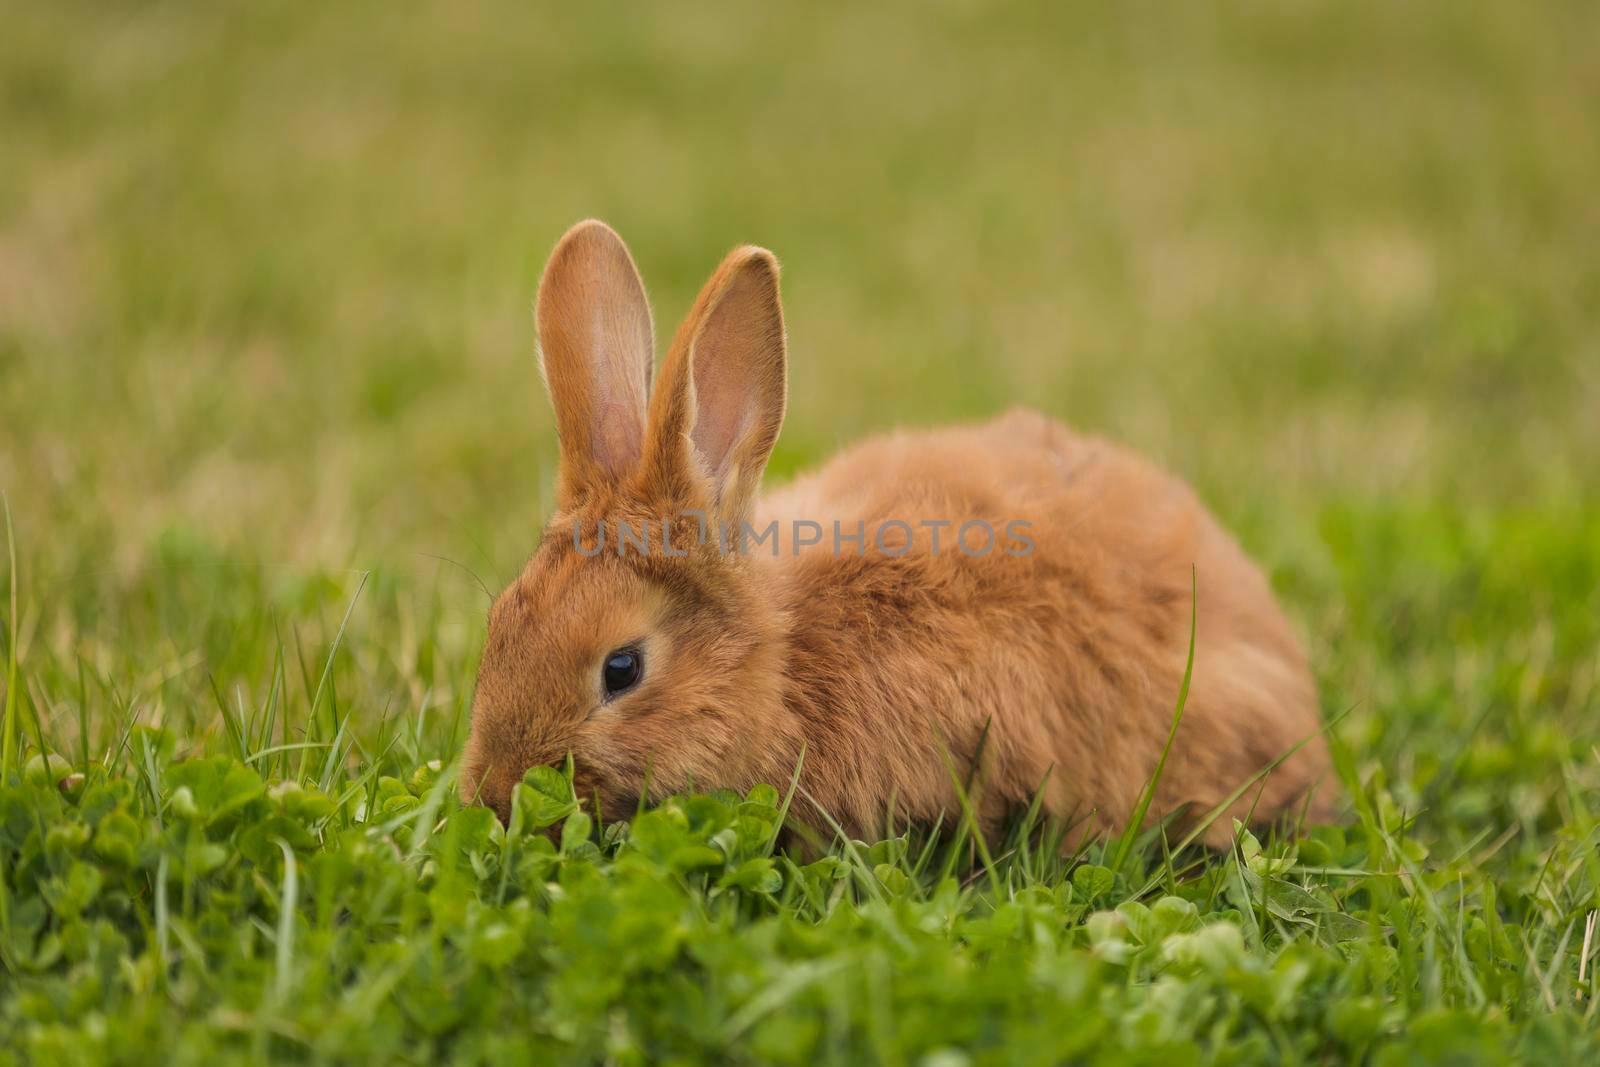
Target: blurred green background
266,277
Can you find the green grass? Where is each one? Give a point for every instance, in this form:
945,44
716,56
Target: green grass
269,416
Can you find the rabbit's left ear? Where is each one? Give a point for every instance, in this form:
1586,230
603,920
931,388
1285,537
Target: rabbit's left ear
595,349
719,401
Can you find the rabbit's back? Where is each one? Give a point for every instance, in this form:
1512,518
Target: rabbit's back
1068,636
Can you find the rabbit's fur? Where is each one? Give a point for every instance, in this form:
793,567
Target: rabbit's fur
888,665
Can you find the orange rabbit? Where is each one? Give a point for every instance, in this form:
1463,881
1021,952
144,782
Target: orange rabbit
924,589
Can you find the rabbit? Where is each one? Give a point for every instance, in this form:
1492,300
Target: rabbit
881,664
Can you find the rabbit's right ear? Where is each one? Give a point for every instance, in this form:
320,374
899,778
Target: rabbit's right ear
596,346
718,408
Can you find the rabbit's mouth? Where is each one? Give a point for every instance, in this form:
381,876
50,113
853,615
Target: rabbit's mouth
599,794
621,807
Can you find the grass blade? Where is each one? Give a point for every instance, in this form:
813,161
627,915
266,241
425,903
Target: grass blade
1129,833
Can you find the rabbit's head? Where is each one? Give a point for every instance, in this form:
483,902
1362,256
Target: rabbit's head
637,639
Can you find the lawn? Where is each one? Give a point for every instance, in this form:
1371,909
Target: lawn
270,428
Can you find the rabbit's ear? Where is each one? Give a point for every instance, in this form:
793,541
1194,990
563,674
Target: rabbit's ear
719,404
595,350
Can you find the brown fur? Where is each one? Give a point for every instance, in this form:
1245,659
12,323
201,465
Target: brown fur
875,664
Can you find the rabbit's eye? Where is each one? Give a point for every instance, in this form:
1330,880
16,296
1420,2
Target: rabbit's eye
622,670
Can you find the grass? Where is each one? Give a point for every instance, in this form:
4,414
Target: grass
269,425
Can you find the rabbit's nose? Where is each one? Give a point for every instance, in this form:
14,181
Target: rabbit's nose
490,792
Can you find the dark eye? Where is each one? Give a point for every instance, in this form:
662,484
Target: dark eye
622,670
